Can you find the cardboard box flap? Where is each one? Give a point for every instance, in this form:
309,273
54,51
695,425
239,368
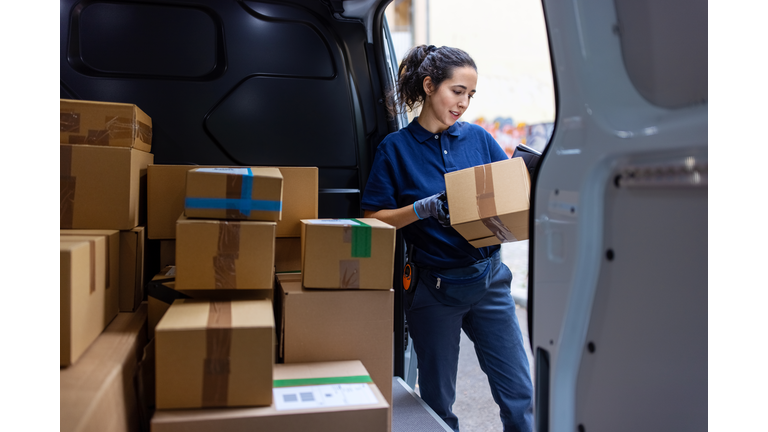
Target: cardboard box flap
193,314
304,373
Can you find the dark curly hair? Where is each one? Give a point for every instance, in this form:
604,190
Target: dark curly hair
421,62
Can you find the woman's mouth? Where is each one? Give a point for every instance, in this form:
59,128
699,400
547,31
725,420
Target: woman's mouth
456,114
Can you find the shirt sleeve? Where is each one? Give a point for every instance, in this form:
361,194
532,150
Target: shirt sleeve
381,190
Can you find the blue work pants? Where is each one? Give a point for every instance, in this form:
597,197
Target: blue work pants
486,313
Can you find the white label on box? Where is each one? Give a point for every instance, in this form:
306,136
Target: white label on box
332,222
334,395
238,171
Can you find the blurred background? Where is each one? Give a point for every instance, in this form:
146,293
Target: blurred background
515,95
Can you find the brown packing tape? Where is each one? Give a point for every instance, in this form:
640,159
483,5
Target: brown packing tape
227,253
76,139
97,137
144,132
349,273
486,204
234,189
119,127
67,186
93,265
218,343
106,241
70,122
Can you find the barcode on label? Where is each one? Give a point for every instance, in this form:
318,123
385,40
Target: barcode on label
330,395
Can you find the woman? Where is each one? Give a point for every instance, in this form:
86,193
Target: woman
458,286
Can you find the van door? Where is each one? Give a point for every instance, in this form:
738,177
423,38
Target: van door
618,293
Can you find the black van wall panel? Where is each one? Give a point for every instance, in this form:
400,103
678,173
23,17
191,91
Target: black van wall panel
146,40
277,92
254,130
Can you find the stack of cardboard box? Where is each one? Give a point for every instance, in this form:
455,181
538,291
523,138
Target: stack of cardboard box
104,154
349,326
218,350
340,307
166,199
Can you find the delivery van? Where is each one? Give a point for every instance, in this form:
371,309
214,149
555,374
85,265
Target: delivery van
617,301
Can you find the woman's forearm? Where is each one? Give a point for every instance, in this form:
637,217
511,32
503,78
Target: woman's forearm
395,217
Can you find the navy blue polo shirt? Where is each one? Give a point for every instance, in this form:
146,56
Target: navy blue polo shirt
409,165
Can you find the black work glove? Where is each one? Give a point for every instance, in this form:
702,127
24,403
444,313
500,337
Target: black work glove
435,206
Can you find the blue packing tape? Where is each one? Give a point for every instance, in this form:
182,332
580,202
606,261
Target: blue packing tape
233,204
245,193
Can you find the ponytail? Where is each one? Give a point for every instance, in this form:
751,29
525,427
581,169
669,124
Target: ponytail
421,62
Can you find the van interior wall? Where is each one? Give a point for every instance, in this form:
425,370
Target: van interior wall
235,83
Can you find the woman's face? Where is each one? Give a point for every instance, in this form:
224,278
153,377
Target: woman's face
446,103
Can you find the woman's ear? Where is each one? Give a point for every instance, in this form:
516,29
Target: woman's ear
429,87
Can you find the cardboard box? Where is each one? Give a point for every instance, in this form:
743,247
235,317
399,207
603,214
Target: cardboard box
322,325
215,254
105,124
489,203
237,193
165,199
112,273
84,307
99,393
347,253
288,254
215,354
300,198
132,270
161,293
370,415
102,187
166,184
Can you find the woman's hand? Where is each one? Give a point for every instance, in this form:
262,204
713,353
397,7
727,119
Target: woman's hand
433,206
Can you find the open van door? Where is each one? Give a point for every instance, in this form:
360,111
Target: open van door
618,261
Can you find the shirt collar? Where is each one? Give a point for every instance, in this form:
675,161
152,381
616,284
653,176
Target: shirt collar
422,134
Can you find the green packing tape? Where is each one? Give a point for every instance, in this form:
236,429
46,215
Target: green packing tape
361,240
322,381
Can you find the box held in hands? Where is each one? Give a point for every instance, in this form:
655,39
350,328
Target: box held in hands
489,203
